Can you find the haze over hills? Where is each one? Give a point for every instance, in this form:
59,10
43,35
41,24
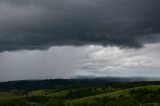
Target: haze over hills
120,79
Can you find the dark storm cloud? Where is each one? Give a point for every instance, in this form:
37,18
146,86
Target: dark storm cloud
39,24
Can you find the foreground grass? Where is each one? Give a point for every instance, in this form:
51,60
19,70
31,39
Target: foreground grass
149,96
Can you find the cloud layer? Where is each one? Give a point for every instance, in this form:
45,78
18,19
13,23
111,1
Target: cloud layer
113,61
39,24
77,61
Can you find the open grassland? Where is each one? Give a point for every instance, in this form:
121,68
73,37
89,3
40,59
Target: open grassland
91,99
117,94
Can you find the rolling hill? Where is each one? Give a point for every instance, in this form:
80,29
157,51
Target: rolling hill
80,92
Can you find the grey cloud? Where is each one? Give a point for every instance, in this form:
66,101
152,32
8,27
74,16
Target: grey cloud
113,61
69,61
53,63
39,24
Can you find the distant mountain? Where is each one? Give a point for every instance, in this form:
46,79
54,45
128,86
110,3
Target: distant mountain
80,80
120,79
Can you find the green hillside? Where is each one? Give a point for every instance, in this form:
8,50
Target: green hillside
151,93
103,94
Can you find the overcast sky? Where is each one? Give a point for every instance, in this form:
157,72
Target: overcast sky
42,39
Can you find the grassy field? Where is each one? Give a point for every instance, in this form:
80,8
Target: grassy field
91,99
117,94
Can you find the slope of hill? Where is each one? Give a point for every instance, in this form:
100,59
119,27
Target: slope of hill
145,94
85,92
